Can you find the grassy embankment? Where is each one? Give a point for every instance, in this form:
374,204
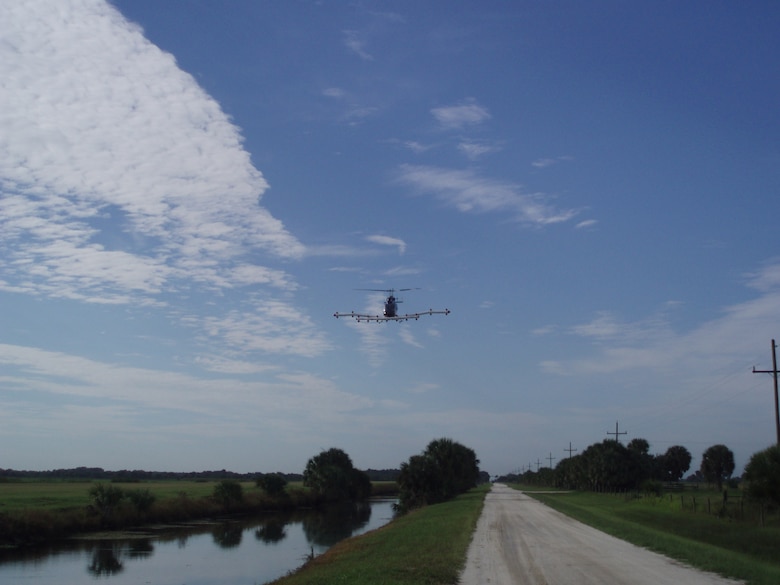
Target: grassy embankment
737,548
33,512
427,546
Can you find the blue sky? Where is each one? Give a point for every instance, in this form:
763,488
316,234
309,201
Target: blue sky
190,190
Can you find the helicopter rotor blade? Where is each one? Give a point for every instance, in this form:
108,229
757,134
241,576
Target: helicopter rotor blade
388,290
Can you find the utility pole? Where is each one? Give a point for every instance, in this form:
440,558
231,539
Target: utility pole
538,464
773,371
550,459
570,450
616,433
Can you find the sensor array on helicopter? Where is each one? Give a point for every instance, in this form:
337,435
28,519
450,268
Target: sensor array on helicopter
390,312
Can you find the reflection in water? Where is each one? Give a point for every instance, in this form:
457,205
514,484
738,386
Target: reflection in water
271,532
105,561
206,552
336,523
140,548
228,535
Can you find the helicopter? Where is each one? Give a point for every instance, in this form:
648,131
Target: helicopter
391,308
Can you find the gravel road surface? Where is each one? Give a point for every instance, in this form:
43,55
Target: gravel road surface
520,541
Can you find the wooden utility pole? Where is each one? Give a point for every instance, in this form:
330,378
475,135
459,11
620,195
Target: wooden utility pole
616,433
570,450
538,465
773,371
550,459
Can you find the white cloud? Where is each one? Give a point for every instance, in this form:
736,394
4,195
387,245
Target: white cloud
334,92
474,150
417,147
766,278
734,339
548,162
273,327
588,223
455,117
373,342
102,134
123,181
388,241
140,393
407,336
354,42
469,193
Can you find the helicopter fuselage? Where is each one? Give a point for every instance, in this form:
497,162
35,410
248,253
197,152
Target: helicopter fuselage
391,307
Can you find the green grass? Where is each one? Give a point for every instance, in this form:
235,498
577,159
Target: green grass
427,546
738,549
19,496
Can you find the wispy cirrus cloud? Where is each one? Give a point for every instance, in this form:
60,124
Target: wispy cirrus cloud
542,163
468,113
388,241
355,42
470,193
474,149
731,339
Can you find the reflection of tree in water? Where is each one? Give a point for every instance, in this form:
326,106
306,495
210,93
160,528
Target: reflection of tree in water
227,535
105,561
272,531
336,522
140,549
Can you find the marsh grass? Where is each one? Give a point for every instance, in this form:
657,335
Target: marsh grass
738,549
427,546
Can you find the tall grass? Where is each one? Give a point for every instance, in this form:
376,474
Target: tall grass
739,549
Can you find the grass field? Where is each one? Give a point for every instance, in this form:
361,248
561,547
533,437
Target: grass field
17,496
741,549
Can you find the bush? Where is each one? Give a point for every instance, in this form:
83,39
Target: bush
105,499
272,484
762,474
228,492
142,500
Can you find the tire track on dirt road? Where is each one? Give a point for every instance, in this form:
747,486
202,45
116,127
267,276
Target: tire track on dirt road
519,540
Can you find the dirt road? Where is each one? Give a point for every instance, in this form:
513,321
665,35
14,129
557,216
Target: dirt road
519,540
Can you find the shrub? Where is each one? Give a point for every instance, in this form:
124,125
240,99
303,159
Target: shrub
105,499
142,500
228,492
272,484
762,474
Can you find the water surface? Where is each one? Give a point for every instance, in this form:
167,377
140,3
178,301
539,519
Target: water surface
231,552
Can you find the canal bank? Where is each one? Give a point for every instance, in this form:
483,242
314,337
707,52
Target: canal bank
427,546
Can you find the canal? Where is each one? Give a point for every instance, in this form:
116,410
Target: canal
228,552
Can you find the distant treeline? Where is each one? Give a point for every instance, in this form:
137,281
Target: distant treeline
98,473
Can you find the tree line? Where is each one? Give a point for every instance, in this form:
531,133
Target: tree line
127,475
612,466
